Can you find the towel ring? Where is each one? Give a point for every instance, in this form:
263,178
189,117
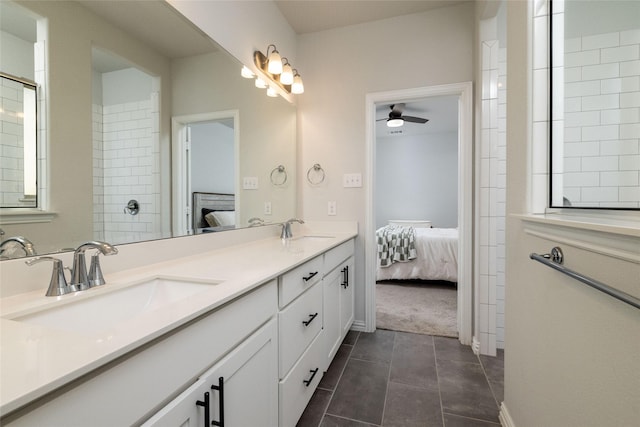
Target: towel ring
281,171
318,171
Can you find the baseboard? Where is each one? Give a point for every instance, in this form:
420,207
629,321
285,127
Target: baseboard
358,326
475,346
504,417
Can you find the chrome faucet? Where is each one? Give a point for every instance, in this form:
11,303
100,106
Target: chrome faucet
286,228
25,243
58,283
79,277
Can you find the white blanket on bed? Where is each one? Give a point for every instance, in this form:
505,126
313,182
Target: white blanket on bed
437,257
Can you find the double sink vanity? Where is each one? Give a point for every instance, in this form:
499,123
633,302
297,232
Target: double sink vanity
237,335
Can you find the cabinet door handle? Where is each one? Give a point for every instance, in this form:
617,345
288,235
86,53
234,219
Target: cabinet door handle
311,317
313,374
220,389
345,277
310,276
206,405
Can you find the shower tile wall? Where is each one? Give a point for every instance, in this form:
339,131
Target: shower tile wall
11,143
126,167
602,119
492,199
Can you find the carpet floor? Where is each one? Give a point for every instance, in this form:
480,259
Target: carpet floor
417,306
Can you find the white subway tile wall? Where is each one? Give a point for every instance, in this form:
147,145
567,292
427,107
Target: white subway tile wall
602,119
11,143
492,198
126,165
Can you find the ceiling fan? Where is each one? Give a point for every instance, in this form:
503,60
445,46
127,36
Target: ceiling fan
396,118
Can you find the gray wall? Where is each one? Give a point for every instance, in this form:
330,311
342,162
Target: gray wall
417,179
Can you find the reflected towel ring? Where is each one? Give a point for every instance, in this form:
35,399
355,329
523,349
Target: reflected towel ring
318,171
281,171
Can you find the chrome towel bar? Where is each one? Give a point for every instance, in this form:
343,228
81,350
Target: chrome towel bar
555,260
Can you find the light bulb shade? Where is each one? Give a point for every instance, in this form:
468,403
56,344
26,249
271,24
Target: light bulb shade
286,78
260,83
395,122
275,63
297,87
271,92
247,73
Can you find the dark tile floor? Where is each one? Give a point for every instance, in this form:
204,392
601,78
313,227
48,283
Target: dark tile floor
391,378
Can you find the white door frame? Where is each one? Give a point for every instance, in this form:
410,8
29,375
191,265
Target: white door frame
464,91
179,179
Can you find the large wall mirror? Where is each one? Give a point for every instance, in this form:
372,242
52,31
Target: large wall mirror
146,119
595,88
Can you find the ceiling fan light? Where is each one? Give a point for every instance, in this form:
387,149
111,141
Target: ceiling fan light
286,78
395,122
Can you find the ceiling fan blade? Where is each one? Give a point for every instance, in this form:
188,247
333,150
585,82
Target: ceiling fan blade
414,119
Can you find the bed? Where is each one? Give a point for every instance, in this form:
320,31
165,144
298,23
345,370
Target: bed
213,212
435,256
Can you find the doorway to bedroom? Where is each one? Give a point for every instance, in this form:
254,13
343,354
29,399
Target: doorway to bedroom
416,210
418,269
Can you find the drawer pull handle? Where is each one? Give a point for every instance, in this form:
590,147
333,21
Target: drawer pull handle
345,277
307,383
310,276
311,317
220,389
206,405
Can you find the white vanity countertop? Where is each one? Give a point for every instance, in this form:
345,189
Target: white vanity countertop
35,360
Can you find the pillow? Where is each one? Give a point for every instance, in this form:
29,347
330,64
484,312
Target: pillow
210,220
225,218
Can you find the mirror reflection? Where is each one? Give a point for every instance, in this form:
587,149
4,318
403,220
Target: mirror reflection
124,99
596,108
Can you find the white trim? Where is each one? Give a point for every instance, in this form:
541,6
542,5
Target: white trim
178,179
475,345
505,417
465,198
358,326
25,216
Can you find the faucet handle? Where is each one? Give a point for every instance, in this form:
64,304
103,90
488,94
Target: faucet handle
95,272
58,283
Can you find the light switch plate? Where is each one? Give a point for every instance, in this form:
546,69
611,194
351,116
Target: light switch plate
352,180
250,183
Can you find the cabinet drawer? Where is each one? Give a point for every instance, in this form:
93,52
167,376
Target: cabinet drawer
299,280
338,254
298,386
299,323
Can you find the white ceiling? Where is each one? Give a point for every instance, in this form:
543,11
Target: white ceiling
307,16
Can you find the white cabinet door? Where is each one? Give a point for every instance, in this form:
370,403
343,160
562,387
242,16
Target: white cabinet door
331,307
240,390
346,297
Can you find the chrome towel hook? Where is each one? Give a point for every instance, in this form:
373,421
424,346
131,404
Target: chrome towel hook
315,174
280,172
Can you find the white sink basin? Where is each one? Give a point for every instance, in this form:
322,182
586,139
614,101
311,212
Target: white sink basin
95,313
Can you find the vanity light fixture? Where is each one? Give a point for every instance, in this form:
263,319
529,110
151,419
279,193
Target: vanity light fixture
260,84
247,73
286,77
278,70
297,87
274,61
271,92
